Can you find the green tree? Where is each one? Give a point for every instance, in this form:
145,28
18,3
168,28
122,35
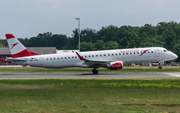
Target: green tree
176,49
58,41
89,35
87,46
100,45
170,38
111,45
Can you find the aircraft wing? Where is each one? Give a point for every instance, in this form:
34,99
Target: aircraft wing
93,62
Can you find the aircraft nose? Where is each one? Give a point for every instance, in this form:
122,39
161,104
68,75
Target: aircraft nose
174,56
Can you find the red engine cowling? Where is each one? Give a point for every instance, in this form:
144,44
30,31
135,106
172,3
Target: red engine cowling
115,65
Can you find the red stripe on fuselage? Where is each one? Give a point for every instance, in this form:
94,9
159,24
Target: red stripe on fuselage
24,53
9,36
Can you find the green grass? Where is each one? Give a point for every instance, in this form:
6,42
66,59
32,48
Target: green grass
90,95
89,70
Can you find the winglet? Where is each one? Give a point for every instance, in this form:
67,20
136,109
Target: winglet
144,52
80,57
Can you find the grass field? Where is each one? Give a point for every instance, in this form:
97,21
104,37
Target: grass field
144,69
90,95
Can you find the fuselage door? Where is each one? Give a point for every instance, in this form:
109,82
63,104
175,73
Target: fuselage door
157,52
41,60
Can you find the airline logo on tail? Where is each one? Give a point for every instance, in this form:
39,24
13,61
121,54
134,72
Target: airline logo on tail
14,45
16,48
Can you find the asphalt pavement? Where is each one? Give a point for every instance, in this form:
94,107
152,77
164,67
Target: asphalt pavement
89,75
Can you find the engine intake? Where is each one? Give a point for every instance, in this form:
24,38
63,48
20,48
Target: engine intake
115,65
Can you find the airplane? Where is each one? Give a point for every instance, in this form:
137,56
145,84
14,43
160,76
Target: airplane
110,59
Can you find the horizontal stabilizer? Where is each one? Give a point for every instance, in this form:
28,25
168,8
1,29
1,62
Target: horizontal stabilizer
12,60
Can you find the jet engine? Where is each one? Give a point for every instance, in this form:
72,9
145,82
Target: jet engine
115,65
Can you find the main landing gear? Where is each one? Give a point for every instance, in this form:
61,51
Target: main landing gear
95,71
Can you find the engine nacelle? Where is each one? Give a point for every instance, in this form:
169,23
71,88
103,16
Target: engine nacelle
115,65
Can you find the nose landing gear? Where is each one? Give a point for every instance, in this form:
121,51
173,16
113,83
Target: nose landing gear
160,67
161,63
95,71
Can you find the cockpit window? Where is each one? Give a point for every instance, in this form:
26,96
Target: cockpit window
165,50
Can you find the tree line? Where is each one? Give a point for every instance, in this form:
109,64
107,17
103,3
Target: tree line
111,37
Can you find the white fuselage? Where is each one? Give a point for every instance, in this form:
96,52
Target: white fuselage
133,55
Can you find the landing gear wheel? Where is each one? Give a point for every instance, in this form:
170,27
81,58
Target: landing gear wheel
160,67
94,71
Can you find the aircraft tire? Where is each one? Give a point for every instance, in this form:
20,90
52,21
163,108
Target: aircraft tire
94,71
160,67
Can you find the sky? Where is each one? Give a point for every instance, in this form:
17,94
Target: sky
28,18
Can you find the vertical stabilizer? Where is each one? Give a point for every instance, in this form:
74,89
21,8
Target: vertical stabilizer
16,48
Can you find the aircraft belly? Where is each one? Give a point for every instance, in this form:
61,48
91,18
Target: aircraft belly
60,64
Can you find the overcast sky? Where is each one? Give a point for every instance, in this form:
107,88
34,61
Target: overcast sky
28,18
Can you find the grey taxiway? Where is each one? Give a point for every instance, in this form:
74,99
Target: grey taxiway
89,75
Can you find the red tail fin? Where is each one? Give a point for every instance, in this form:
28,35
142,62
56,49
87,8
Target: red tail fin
16,48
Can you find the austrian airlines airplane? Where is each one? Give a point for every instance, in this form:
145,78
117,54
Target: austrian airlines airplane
111,59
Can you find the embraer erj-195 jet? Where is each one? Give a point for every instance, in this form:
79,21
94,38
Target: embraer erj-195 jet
111,59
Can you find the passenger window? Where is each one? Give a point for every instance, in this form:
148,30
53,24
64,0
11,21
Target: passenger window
119,53
61,57
108,54
112,54
69,57
116,53
126,53
75,56
92,55
89,56
151,51
96,55
104,54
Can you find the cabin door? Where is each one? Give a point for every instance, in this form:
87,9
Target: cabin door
41,60
157,52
